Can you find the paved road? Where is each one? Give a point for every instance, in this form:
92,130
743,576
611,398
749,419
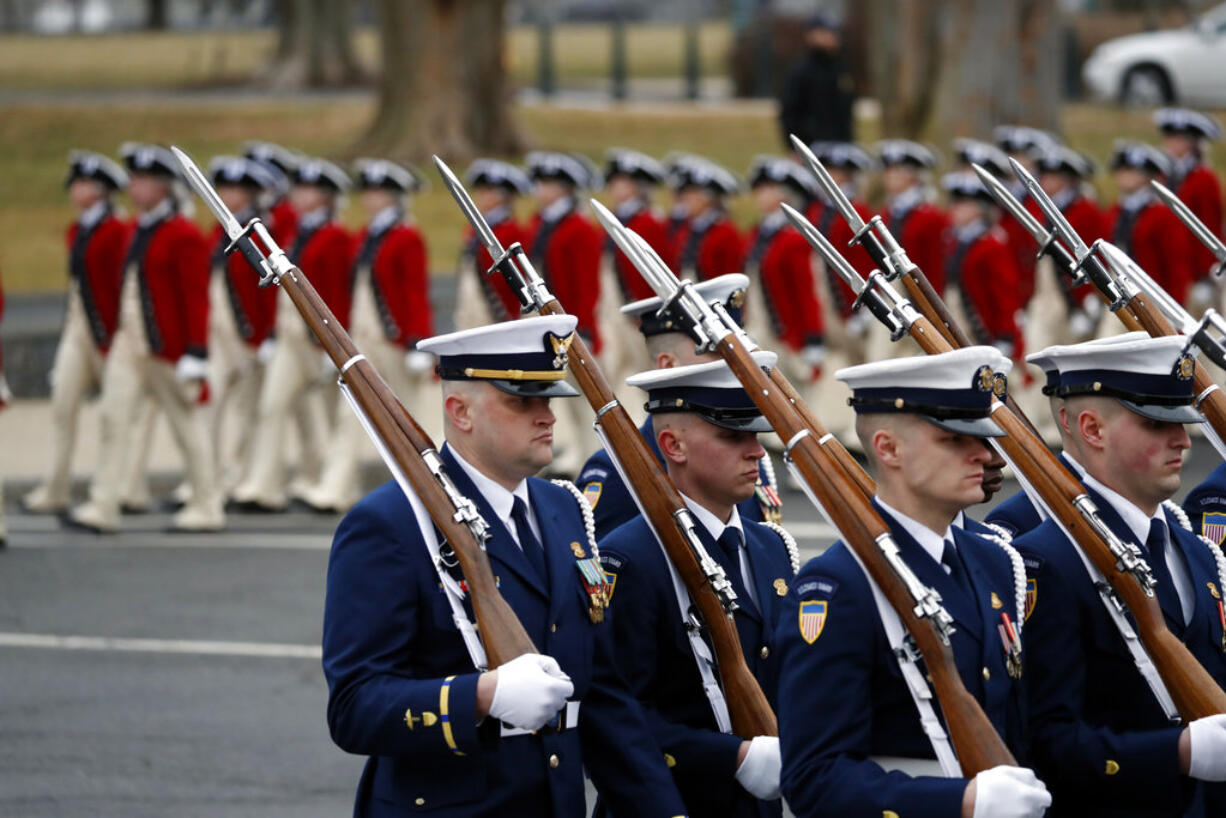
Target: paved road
148,674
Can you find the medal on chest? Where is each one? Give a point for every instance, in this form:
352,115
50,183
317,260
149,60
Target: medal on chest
595,583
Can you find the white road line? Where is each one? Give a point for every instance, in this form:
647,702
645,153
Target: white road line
189,646
260,539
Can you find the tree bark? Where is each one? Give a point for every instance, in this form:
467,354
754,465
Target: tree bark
443,88
314,46
961,67
157,15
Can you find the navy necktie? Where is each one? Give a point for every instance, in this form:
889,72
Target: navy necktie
731,542
952,560
1168,595
528,542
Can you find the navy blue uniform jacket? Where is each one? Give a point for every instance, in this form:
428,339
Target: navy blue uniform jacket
1100,740
1206,506
389,644
654,654
842,698
612,504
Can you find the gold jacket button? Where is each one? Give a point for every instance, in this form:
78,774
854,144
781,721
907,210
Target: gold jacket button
554,761
987,674
421,802
765,652
553,628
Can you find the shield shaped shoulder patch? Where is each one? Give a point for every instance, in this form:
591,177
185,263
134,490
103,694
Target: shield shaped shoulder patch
1213,526
813,619
1032,597
591,492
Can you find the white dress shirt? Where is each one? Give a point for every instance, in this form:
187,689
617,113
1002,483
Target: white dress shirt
501,500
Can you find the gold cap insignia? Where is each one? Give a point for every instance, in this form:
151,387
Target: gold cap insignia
996,603
737,299
1187,366
781,587
1000,384
578,550
986,379
560,346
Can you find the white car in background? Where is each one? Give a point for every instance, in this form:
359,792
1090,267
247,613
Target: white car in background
1185,66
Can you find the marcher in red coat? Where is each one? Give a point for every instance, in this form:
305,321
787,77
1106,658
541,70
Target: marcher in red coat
1065,175
846,163
1184,137
917,224
160,348
1142,226
322,249
565,248
981,275
483,299
242,316
708,244
390,294
280,162
631,179
97,242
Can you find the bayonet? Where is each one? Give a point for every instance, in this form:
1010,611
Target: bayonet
512,262
1193,223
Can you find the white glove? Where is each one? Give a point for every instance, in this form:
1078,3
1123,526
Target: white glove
813,354
1202,292
1093,305
191,368
759,772
264,353
531,690
1208,739
1080,325
857,324
1010,792
418,362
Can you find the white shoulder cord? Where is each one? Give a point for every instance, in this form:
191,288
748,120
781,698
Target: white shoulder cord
451,588
768,466
1004,539
704,659
901,646
585,509
789,542
1219,558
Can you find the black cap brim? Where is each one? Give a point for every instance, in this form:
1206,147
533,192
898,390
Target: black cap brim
536,389
1166,414
756,423
975,427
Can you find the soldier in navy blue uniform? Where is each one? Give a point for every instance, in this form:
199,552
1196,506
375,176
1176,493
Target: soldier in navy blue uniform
707,428
668,346
1205,506
849,726
1100,737
442,735
1017,514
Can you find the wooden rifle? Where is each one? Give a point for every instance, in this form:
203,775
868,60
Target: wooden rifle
663,507
841,500
1192,690
407,448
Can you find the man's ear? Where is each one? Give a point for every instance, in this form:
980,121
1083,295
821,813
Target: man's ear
1092,429
458,409
886,448
672,445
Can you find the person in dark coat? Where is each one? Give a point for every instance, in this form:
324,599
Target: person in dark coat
706,428
816,101
443,730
